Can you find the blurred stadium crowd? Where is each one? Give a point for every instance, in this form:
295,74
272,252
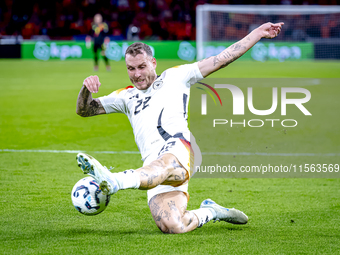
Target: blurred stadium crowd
129,19
297,27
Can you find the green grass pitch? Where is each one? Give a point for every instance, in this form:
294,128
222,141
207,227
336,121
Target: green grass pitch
37,112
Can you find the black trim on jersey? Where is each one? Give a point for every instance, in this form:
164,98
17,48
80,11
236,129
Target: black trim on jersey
179,135
185,97
165,135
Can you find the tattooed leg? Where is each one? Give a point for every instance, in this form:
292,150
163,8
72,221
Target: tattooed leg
170,214
165,170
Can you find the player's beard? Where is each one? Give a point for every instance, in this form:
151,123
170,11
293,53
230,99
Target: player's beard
146,82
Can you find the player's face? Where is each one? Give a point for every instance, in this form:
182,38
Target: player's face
141,70
97,19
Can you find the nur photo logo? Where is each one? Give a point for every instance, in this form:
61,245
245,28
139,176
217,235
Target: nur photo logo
300,98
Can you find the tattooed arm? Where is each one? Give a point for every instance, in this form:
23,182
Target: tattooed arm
86,105
230,54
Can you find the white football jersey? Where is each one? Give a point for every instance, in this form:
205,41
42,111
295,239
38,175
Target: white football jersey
159,112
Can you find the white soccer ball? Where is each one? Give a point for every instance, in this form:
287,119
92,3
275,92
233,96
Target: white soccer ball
87,197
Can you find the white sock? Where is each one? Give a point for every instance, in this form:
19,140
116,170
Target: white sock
204,215
128,179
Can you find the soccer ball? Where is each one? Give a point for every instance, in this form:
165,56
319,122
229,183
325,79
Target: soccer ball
87,197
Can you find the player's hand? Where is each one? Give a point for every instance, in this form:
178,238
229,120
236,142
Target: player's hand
270,30
92,83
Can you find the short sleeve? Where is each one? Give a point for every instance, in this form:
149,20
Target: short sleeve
115,102
106,28
195,74
188,74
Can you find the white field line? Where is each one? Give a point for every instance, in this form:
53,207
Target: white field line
272,154
70,151
204,153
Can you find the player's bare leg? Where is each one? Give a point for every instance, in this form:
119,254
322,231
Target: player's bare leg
165,170
169,210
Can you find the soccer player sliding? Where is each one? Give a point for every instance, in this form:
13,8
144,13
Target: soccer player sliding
157,109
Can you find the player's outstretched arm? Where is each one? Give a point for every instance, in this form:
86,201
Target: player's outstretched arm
86,105
233,52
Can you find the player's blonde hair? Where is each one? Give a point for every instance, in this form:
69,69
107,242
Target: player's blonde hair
138,48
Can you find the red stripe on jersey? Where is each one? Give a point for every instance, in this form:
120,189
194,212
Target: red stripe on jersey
120,90
187,145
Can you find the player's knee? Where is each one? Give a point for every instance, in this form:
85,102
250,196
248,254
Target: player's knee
171,226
